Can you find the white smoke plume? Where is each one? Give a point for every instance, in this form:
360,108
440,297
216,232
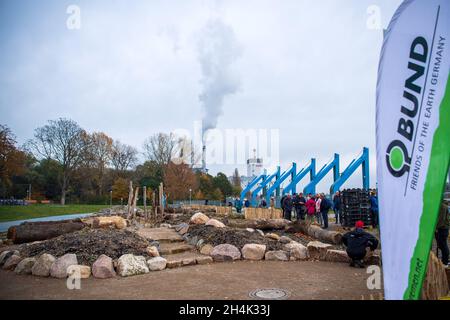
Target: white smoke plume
217,49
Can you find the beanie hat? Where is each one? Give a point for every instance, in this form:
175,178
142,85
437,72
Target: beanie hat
359,224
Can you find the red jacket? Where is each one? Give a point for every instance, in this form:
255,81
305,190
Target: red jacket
311,207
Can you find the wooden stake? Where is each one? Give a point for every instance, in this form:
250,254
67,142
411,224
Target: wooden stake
136,193
144,198
130,199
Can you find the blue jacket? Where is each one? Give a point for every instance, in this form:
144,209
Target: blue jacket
374,203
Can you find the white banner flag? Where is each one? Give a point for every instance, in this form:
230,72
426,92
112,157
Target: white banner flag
413,139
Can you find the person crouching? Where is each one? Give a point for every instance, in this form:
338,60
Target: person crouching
356,242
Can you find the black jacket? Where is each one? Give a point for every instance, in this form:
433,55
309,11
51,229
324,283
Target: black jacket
358,240
325,205
287,204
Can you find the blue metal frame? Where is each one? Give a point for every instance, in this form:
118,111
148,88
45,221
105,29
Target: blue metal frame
263,185
276,185
363,160
251,185
334,164
311,169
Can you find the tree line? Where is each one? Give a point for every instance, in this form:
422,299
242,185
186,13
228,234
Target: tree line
63,162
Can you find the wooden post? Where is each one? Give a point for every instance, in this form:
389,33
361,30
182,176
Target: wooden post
136,194
130,199
144,198
154,203
161,198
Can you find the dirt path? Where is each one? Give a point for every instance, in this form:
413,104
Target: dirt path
304,280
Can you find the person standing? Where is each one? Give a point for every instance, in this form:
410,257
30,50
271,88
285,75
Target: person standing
337,204
283,197
238,205
300,207
272,202
442,231
287,204
374,208
324,208
310,208
318,214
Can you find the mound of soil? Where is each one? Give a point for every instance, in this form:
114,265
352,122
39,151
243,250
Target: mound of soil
88,244
235,237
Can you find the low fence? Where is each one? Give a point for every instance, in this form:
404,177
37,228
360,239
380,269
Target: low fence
262,213
208,208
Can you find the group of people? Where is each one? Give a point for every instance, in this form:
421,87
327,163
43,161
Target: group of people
311,208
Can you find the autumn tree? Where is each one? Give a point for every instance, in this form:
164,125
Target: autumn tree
120,188
178,179
236,183
12,160
66,142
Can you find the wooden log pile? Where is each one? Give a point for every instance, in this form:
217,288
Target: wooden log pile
263,213
38,231
435,285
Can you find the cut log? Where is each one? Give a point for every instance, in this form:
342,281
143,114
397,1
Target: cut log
316,232
37,231
262,224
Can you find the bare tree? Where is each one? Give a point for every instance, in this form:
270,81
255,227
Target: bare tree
161,148
123,156
100,155
66,142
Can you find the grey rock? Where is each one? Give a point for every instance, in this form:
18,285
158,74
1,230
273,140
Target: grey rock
130,265
59,268
12,262
157,264
43,264
25,266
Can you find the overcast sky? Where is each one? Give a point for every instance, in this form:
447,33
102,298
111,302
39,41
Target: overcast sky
307,68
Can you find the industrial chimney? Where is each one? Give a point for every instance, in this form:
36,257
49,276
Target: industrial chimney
204,159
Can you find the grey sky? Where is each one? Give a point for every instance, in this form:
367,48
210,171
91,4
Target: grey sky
307,68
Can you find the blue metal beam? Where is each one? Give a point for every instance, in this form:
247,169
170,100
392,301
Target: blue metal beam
363,160
251,185
262,185
334,164
276,185
311,169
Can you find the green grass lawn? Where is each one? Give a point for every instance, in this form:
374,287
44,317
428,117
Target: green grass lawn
11,213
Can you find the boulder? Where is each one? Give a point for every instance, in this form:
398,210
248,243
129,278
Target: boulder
273,236
25,266
337,256
83,272
278,255
12,262
104,222
260,232
285,239
5,256
152,251
174,263
317,250
253,251
206,249
225,252
165,225
250,230
42,266
59,268
204,260
157,264
188,261
215,223
103,268
296,250
131,265
199,218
